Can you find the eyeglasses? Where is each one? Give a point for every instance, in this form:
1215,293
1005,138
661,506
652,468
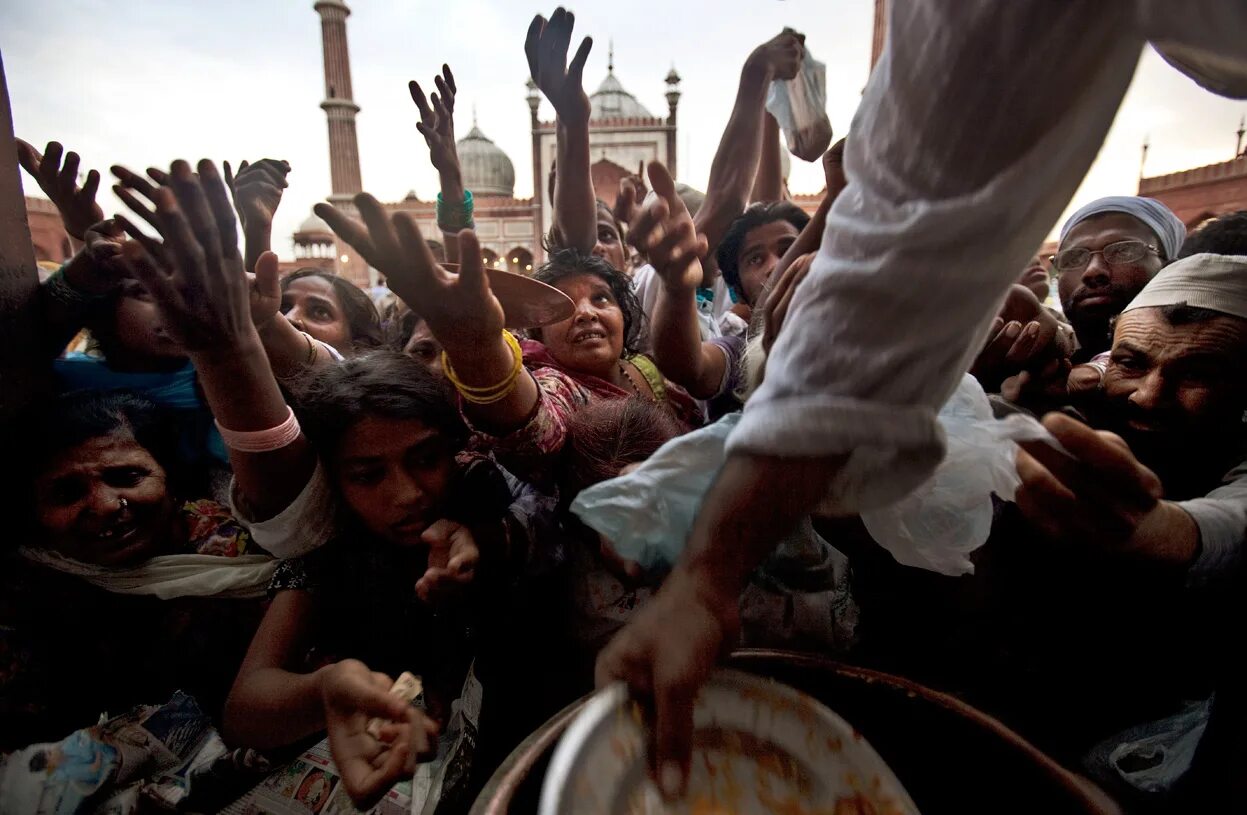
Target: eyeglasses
1115,254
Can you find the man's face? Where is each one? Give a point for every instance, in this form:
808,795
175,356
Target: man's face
1095,293
763,247
1172,384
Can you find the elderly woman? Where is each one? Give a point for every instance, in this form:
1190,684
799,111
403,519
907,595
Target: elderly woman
1108,251
129,585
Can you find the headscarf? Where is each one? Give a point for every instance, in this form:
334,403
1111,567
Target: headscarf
1170,231
1216,282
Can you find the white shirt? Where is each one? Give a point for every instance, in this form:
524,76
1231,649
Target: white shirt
977,125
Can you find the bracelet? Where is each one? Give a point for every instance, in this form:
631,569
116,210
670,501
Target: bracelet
262,441
311,349
454,217
489,394
60,290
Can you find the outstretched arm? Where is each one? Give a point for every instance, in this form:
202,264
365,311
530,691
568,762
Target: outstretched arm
768,184
460,310
735,163
79,211
575,203
437,125
665,233
196,278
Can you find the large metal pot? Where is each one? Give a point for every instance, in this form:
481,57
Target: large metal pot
950,756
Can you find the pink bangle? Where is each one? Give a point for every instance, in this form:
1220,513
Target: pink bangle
262,441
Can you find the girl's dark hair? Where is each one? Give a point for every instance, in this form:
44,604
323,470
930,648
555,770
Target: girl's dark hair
565,263
362,317
382,383
608,434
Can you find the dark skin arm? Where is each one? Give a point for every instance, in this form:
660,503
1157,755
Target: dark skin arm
575,213
197,280
460,309
95,271
437,125
59,182
735,162
272,706
664,232
768,184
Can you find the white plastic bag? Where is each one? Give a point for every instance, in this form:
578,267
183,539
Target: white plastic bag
800,106
939,524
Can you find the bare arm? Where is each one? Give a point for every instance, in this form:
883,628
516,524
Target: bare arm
196,277
437,125
664,231
768,184
460,309
257,194
736,161
575,204
270,705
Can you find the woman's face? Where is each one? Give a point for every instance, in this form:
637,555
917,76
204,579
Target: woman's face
311,304
424,348
610,243
591,340
394,474
105,502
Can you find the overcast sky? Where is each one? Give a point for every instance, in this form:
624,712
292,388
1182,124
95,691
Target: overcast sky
144,83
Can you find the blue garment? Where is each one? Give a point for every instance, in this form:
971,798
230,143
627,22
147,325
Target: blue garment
174,390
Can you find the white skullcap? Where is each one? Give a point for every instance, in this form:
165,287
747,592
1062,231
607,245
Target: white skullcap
1215,282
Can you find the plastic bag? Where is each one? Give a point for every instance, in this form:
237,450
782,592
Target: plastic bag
648,513
799,597
1152,757
939,524
800,106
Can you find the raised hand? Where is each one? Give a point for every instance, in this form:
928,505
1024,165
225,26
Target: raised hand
257,190
453,555
196,276
546,49
665,234
77,205
1099,495
779,57
437,121
369,765
833,168
460,309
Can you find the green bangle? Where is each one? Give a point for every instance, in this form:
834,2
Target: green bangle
452,217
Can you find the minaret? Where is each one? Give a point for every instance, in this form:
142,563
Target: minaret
534,102
673,100
339,107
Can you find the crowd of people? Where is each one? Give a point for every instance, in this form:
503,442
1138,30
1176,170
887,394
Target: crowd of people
277,493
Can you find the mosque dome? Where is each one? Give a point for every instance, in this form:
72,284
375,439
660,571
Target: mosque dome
314,227
611,101
486,169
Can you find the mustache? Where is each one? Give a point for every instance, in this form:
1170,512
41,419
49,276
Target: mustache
1113,290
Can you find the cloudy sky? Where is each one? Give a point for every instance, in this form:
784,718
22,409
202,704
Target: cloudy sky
144,83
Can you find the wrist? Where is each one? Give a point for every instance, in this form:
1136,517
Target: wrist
237,352
757,69
710,591
79,275
1167,535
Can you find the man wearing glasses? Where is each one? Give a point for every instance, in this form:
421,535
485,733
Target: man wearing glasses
1108,252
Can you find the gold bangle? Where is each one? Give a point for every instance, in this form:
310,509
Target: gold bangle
489,394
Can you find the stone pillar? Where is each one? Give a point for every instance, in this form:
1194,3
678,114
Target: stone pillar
673,100
339,107
881,31
539,189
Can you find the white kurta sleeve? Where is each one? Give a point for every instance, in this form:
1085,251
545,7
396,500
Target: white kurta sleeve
977,125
